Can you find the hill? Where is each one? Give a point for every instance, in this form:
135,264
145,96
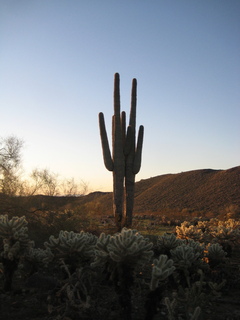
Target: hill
204,190
198,190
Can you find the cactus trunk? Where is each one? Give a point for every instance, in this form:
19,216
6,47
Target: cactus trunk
125,161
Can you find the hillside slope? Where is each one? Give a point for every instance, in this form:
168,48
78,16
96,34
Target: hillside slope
197,190
207,190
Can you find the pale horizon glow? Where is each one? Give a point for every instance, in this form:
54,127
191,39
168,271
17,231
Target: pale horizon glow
57,64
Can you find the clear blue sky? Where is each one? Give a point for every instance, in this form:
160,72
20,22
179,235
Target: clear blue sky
57,63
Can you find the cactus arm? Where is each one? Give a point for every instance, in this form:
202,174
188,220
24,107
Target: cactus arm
123,125
117,141
132,120
131,135
105,145
128,141
116,94
138,153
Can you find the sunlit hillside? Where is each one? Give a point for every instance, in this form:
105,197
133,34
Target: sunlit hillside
199,190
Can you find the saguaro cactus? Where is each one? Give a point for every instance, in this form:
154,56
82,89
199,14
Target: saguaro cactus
125,161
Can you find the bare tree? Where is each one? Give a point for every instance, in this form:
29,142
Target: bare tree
84,187
69,187
41,180
10,160
37,182
45,182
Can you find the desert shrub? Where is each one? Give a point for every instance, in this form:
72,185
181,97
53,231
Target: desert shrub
15,243
212,231
74,249
120,255
215,254
165,243
179,280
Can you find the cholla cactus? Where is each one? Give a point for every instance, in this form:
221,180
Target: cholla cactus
131,247
162,269
171,307
167,242
184,256
14,231
196,314
16,244
73,295
217,287
8,227
204,225
211,231
191,299
128,247
120,254
15,237
39,257
228,231
197,247
232,223
69,241
187,231
72,247
102,252
215,254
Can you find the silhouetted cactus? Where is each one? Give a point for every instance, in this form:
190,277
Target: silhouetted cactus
125,161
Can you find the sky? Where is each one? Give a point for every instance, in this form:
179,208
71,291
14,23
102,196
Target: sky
57,64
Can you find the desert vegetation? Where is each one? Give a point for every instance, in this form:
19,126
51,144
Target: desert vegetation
181,272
